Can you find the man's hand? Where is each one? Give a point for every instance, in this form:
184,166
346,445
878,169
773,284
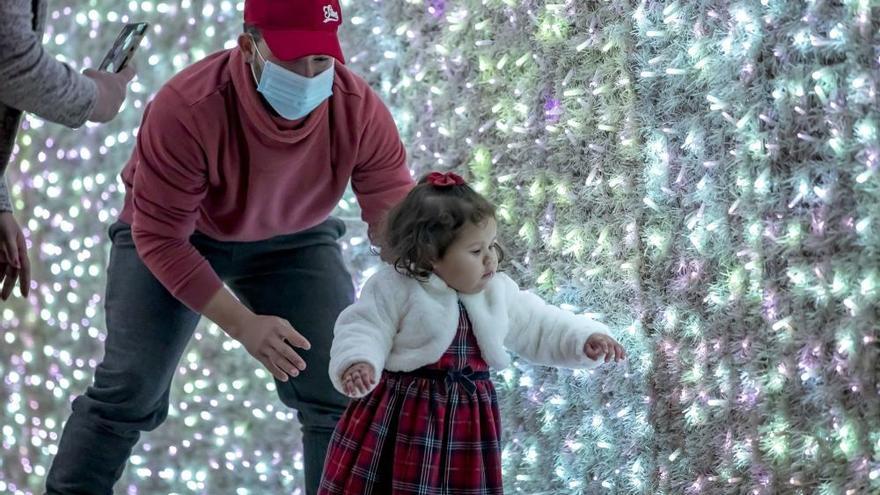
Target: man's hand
358,379
599,345
14,262
270,339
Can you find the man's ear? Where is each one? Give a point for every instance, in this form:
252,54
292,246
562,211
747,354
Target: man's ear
246,45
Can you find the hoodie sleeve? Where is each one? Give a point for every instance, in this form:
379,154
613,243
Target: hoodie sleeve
546,335
365,330
381,178
169,184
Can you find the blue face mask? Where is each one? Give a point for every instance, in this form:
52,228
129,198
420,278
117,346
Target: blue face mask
291,95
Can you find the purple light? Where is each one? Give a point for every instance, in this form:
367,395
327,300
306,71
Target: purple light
437,8
762,475
770,304
547,222
552,109
748,398
688,273
809,361
818,221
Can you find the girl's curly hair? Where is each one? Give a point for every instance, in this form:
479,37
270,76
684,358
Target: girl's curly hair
421,228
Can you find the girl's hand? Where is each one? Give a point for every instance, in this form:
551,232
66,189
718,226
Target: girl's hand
358,379
599,345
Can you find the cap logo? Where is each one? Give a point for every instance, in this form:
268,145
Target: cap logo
330,15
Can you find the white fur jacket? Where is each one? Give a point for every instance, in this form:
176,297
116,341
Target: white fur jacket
402,324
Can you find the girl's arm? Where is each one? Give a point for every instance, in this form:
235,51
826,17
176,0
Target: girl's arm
547,335
365,330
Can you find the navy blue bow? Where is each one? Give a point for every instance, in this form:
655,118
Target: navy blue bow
465,377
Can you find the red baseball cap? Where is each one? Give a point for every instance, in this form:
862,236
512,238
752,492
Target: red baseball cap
297,28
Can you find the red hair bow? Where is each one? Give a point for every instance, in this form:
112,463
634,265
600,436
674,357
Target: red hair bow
447,179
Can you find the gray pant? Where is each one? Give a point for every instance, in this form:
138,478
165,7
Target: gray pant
299,277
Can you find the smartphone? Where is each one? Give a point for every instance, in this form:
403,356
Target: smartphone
123,48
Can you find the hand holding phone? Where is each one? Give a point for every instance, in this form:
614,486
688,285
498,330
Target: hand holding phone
124,47
115,72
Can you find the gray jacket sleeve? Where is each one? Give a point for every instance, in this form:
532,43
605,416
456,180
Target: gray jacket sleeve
31,79
5,199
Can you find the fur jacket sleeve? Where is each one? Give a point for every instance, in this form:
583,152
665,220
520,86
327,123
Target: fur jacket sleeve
401,324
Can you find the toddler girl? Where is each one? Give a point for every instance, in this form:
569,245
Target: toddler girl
416,349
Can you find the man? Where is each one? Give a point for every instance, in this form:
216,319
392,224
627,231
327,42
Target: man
238,163
31,80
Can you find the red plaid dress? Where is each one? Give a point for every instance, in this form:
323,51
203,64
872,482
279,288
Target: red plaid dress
414,435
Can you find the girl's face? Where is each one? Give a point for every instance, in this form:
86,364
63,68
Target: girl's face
472,259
